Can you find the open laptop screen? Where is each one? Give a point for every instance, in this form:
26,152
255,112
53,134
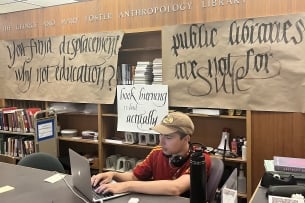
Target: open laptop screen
81,176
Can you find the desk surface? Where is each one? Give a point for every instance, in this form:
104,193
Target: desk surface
30,186
259,195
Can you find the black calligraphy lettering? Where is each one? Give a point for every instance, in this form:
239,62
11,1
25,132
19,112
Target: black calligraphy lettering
40,47
206,86
221,83
224,74
84,44
286,27
241,73
300,30
42,75
110,70
24,75
223,69
251,32
95,74
234,38
142,118
260,61
197,36
185,70
128,95
155,97
15,51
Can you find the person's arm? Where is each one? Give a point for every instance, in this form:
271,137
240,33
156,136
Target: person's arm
126,176
103,178
160,187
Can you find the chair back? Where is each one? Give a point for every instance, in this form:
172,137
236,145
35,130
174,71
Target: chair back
42,160
216,172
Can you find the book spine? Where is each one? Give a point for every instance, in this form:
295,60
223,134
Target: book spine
289,169
1,120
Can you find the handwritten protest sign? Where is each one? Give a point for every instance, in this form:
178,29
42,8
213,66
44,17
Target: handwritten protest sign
141,107
254,64
74,68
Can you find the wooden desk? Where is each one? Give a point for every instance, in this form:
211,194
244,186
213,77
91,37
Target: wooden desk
259,195
30,186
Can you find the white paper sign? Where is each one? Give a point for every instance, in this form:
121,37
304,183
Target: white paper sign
141,107
6,188
278,199
55,178
228,195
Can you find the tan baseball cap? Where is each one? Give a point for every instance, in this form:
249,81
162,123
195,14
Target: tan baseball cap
175,122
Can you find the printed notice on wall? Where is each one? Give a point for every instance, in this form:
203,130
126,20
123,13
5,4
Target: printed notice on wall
252,64
278,199
141,107
45,129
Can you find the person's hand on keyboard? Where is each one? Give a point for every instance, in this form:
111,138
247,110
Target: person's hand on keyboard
102,178
112,188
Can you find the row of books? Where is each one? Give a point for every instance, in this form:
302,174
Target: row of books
125,74
15,119
285,164
157,71
16,146
145,72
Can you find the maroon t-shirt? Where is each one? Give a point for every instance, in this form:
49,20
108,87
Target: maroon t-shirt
156,166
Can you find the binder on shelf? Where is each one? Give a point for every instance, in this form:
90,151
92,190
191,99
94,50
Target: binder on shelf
114,141
4,114
29,117
210,112
125,74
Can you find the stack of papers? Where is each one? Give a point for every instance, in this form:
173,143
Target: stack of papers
269,165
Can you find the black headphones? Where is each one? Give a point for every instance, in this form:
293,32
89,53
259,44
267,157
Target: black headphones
179,160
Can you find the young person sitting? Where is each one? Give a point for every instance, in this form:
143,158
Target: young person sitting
166,169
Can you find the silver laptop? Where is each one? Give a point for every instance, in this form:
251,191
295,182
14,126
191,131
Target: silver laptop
80,170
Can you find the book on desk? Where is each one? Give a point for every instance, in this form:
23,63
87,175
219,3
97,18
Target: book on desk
289,164
270,167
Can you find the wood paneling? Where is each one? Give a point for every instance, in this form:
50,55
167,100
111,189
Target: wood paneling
275,133
232,9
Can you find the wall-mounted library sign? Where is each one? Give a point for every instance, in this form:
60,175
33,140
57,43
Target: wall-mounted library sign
105,15
74,68
255,64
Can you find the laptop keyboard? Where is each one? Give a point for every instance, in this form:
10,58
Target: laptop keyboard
100,195
106,196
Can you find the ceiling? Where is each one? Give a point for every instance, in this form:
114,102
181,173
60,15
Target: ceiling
9,6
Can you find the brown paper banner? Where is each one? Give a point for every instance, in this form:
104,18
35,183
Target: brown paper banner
253,64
